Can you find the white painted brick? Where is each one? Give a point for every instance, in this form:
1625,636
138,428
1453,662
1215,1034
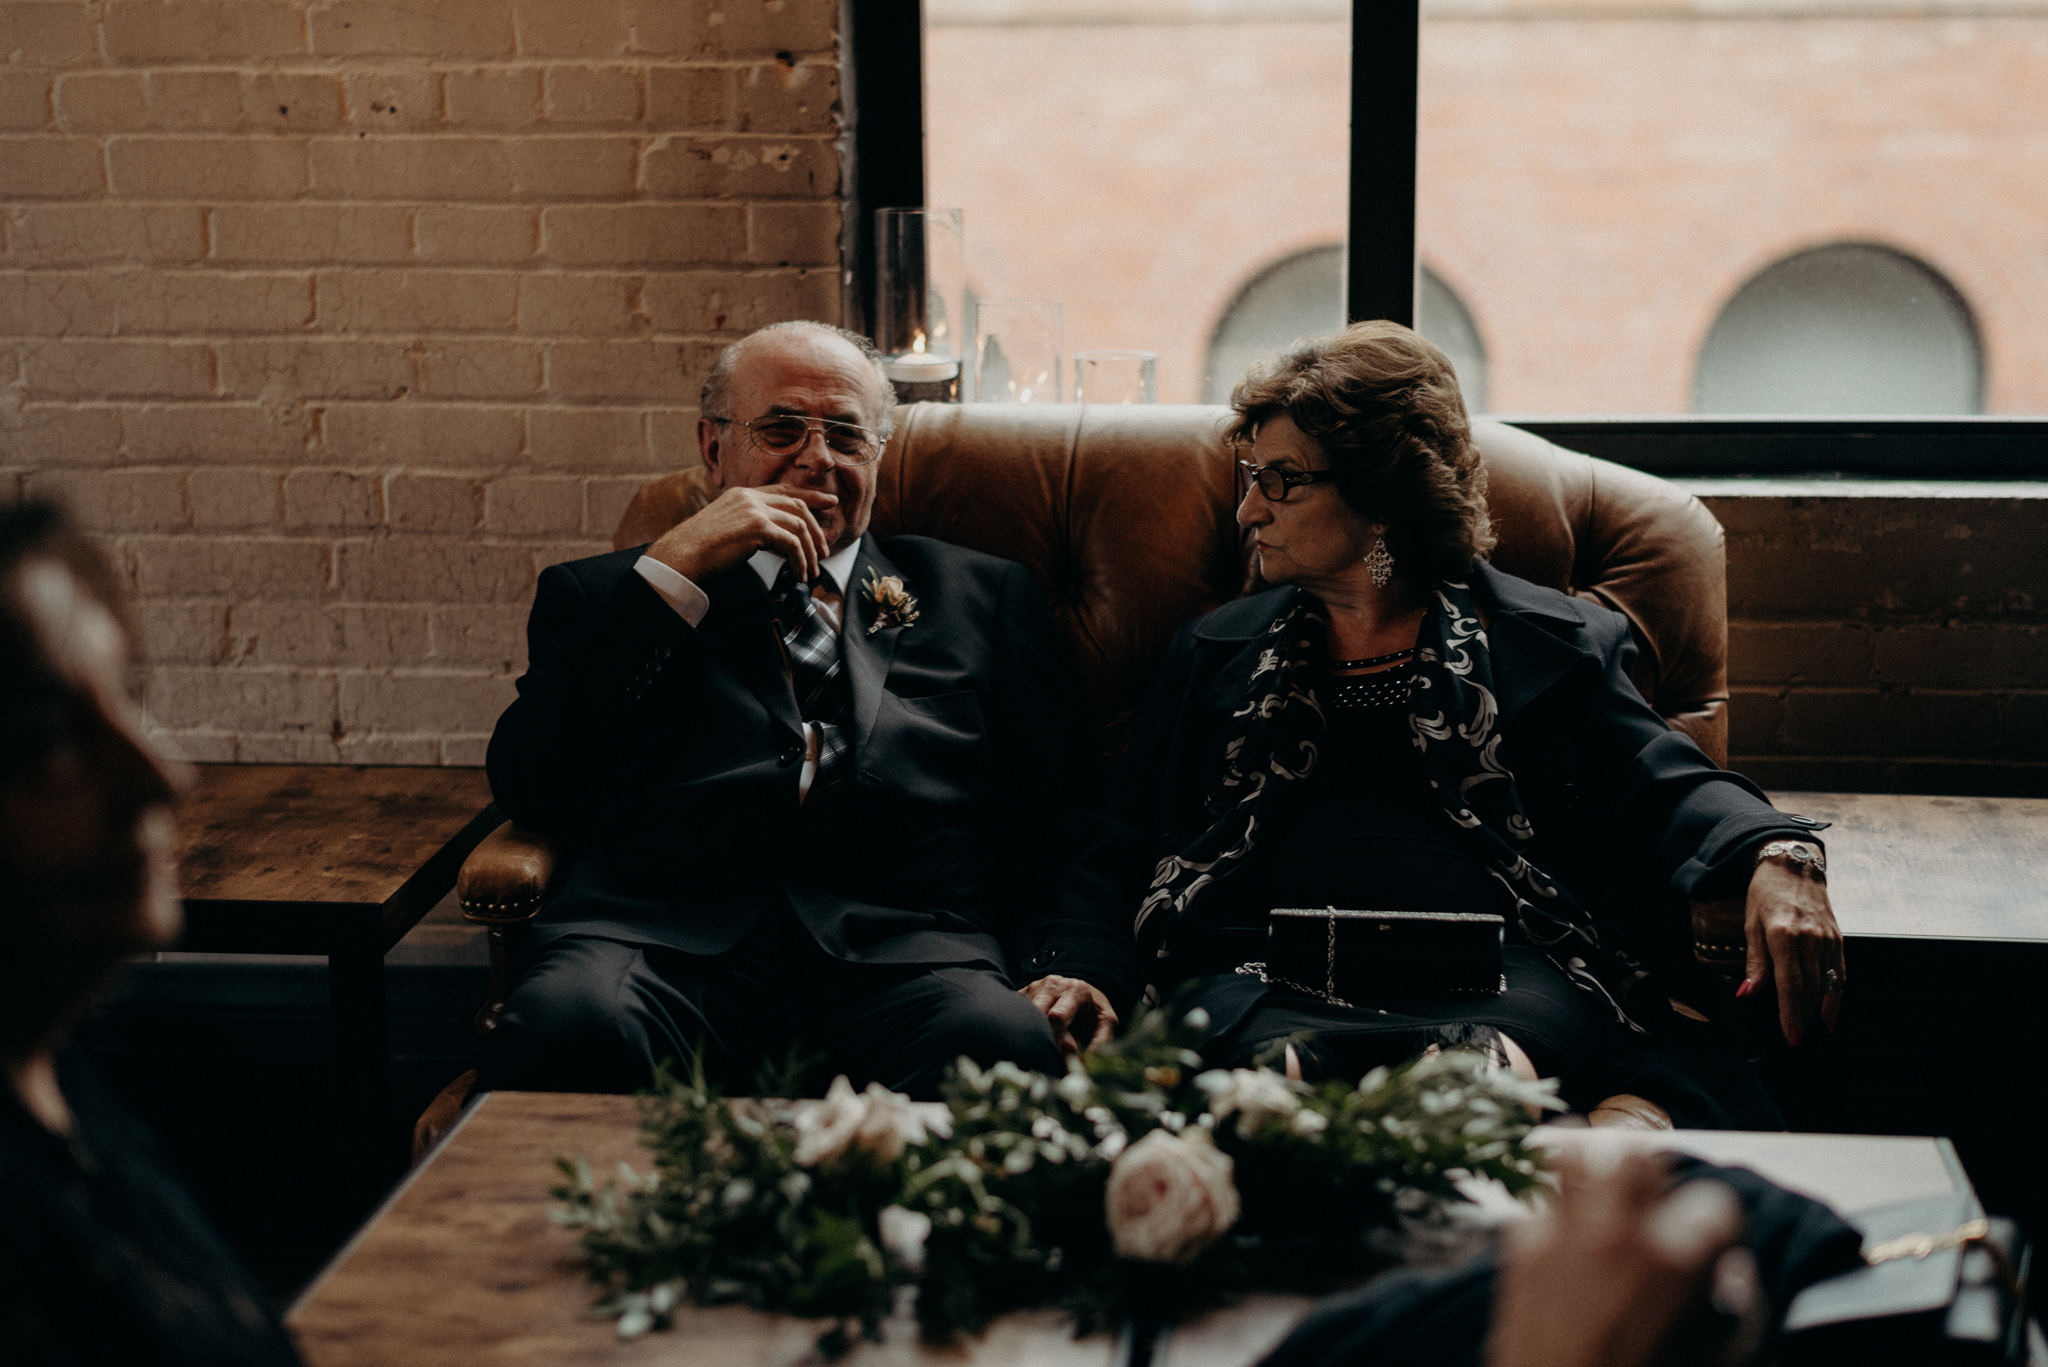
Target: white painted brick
338,319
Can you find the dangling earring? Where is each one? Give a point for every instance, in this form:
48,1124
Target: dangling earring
1379,563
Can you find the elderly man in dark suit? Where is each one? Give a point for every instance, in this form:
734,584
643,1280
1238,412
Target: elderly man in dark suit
812,778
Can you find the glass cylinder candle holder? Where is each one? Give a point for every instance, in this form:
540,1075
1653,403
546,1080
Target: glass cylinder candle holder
1017,351
1116,377
921,302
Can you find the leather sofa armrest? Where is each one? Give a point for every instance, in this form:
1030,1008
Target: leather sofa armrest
506,877
1717,934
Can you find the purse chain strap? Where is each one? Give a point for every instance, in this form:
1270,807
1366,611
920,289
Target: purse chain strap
1328,993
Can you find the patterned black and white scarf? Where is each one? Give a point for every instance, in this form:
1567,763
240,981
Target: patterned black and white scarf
1277,735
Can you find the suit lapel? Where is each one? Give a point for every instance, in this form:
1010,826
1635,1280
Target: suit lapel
866,653
741,623
1527,658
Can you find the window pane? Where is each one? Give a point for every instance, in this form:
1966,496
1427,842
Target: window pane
1841,330
1303,296
1768,206
1143,162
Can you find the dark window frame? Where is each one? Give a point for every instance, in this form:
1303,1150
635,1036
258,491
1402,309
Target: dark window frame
882,90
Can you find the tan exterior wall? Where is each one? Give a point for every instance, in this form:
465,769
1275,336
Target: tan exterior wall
1597,177
340,319
1655,165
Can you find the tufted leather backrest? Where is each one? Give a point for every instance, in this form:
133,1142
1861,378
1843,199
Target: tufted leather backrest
1126,515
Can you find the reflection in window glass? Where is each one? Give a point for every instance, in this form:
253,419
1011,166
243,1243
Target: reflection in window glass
1302,296
1602,180
1844,329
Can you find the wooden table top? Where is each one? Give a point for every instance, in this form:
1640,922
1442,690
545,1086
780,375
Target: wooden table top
1971,868
462,1266
318,832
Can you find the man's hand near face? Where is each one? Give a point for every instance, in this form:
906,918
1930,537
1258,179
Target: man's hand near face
1077,1011
739,522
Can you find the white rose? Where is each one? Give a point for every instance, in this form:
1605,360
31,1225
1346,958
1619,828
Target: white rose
1169,1197
878,1122
824,1129
894,1122
903,1234
1252,1094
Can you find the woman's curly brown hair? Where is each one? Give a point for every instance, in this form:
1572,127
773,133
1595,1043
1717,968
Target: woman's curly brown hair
1383,406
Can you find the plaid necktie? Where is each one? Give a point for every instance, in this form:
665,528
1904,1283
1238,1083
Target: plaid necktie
811,645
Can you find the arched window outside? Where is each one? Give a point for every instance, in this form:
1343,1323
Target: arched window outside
1842,329
1303,296
1441,316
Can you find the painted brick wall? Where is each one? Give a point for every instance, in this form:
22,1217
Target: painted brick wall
340,319
1887,637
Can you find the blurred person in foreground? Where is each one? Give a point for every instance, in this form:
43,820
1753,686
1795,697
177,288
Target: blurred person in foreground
1635,1258
1622,1269
1398,725
103,1255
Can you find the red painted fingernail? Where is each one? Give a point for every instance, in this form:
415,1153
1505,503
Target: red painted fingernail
1793,1037
1743,991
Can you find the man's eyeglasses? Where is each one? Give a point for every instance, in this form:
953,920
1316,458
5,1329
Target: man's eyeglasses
785,435
1274,482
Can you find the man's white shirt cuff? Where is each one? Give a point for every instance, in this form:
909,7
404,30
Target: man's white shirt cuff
689,601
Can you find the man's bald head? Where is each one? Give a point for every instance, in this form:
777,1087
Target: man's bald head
716,398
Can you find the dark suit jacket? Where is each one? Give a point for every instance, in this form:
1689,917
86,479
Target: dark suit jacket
667,756
1629,814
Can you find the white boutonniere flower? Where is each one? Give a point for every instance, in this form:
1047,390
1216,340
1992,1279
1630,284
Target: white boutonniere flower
894,607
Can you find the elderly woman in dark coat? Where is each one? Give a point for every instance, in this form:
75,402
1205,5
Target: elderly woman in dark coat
1399,726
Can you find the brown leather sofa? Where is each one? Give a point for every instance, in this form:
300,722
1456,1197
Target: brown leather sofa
1126,515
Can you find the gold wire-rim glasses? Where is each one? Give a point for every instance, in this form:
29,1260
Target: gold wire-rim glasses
785,434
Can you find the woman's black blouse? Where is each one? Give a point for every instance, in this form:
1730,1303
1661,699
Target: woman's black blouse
104,1257
1360,832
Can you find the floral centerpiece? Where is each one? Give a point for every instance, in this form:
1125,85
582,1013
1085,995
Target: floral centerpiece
1138,1182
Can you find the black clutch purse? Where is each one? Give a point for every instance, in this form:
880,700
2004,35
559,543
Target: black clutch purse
1943,1285
1368,957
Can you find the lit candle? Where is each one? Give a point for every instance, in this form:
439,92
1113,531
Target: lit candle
921,367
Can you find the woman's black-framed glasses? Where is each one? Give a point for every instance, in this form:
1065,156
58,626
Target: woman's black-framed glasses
1276,483
787,434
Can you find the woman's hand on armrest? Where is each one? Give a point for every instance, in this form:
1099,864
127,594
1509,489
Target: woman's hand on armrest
1793,941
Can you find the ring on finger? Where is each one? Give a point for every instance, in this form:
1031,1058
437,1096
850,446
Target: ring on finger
1833,980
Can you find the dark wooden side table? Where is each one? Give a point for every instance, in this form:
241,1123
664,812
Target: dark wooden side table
1902,866
336,860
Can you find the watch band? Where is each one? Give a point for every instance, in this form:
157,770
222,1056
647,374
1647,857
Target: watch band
1808,858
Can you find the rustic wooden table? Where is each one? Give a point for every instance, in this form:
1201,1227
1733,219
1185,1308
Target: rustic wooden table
462,1264
337,860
